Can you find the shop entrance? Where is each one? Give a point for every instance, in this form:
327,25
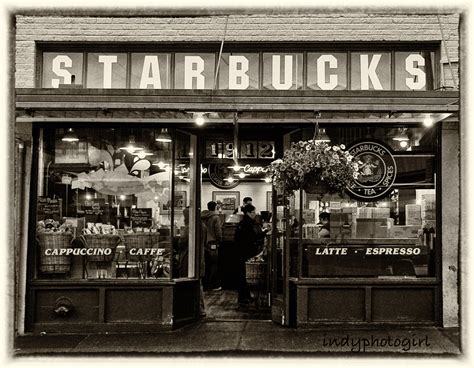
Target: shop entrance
235,172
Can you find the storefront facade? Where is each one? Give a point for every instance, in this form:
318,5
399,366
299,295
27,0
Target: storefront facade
113,161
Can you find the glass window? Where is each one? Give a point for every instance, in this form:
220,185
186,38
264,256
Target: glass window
150,71
413,71
370,71
104,204
391,236
239,71
62,69
184,205
282,71
327,71
106,70
194,71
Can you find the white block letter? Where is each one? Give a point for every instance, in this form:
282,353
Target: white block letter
57,69
238,68
193,68
321,77
369,71
150,64
108,60
415,71
288,72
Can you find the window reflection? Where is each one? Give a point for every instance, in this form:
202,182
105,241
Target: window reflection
184,210
393,236
104,204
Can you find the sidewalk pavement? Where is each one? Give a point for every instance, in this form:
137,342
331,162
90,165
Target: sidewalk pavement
248,338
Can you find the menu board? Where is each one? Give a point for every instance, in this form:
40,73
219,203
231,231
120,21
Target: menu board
94,210
49,208
141,217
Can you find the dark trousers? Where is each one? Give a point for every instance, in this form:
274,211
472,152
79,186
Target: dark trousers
212,278
242,287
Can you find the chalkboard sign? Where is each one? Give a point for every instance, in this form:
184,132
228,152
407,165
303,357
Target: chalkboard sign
49,208
94,210
140,217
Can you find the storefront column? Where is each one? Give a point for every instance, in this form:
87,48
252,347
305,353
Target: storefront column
22,169
450,215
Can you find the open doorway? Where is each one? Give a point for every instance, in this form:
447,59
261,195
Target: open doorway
235,172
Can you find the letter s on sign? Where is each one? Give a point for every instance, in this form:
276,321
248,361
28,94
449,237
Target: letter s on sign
57,69
419,79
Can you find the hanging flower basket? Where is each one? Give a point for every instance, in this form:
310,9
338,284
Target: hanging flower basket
315,167
312,187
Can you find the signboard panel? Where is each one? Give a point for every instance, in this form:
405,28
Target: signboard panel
141,217
49,208
377,171
318,69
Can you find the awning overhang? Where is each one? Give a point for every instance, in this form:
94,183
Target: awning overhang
253,105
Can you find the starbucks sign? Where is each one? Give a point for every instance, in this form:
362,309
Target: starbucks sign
377,171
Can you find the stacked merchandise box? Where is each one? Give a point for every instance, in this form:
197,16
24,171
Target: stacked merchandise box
373,228
341,223
364,212
380,212
405,231
428,210
413,214
310,231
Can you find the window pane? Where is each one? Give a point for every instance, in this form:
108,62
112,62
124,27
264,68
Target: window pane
370,71
327,71
104,205
282,71
239,71
150,71
194,71
413,71
184,206
62,70
393,236
106,70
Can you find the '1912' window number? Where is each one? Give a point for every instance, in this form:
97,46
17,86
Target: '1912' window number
266,150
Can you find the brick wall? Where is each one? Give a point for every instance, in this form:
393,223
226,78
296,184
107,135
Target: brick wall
244,28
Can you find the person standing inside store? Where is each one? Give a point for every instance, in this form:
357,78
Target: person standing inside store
324,229
246,201
210,218
249,238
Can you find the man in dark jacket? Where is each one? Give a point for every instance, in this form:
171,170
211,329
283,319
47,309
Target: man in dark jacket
213,226
248,239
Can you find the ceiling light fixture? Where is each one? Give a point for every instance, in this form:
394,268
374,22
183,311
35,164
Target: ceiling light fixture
322,136
401,135
164,136
70,136
131,146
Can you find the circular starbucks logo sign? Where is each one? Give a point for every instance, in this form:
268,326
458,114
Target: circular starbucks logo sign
377,171
219,174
